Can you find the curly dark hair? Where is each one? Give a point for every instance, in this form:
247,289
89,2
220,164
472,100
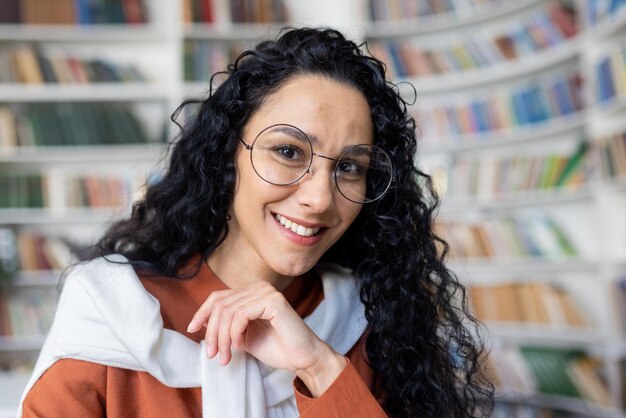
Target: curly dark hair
420,341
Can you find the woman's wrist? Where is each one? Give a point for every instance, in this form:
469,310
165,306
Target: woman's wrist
320,376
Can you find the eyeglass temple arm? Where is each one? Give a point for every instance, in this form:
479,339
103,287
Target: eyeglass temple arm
325,157
248,147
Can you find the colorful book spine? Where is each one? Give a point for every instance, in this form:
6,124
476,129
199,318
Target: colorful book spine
67,123
239,11
9,262
27,315
26,190
542,30
32,65
620,295
21,190
37,252
610,76
598,11
527,302
83,12
492,177
447,119
609,155
10,11
534,236
382,10
528,370
204,58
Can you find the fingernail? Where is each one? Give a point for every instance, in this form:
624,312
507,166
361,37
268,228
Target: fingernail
192,325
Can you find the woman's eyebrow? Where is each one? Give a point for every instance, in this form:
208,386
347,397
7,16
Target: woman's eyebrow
301,135
296,133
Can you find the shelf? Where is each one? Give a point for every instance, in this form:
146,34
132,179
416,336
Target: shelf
85,33
11,92
42,216
522,266
446,21
232,31
617,350
31,343
561,403
615,105
568,124
451,204
546,335
38,278
611,26
618,184
82,154
503,71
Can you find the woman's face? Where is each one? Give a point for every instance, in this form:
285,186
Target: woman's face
334,116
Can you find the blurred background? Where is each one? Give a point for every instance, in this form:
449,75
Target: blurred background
520,107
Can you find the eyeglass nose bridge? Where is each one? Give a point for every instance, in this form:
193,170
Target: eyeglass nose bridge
334,160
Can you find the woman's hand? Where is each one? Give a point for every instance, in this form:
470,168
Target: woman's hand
259,320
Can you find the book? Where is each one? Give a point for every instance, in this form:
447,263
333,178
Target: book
26,65
584,374
574,163
531,304
549,366
9,263
133,12
564,17
46,12
10,11
8,131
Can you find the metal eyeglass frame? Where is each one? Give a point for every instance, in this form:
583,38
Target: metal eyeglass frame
336,160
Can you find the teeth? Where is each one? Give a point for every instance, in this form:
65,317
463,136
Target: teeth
298,229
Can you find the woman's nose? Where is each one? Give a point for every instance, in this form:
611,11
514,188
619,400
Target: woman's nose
316,189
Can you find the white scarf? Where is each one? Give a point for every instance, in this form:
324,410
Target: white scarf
106,316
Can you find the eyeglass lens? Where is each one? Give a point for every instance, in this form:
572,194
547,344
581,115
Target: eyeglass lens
282,155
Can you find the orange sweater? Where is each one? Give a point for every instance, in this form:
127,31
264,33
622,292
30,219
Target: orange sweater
75,388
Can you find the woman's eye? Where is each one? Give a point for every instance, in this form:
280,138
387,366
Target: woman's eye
350,167
289,153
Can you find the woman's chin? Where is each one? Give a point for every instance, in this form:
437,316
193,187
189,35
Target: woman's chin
294,269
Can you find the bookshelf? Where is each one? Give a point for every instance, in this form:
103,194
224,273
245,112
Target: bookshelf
517,141
83,116
463,123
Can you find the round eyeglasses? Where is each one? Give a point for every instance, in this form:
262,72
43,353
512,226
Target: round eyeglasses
282,154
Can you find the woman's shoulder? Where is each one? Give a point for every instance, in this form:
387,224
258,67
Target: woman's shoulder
100,275
95,268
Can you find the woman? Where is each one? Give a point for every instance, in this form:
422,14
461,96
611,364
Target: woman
292,194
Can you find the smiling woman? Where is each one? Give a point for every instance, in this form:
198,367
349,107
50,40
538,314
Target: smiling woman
285,264
337,116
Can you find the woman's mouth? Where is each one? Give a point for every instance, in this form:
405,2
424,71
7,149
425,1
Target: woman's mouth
303,231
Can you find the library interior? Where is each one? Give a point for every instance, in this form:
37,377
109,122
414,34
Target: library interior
520,109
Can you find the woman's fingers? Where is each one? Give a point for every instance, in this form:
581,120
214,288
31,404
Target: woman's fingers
238,327
217,314
219,311
228,314
202,314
